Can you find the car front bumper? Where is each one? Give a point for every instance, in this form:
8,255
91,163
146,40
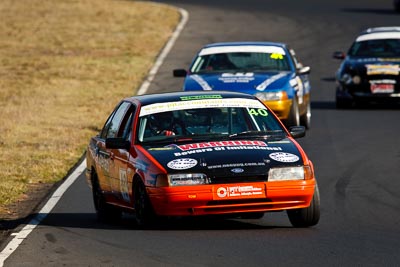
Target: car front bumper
219,199
353,92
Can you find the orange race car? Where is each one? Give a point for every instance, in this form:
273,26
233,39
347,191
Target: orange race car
200,153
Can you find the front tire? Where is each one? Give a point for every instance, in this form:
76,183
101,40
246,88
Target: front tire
306,217
144,213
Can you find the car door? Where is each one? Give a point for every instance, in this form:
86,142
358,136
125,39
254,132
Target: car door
120,173
106,156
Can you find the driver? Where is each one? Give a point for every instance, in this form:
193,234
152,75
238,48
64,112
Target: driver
162,123
221,62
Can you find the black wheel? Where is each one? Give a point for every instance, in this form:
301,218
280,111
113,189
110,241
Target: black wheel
294,115
305,119
104,211
143,210
308,216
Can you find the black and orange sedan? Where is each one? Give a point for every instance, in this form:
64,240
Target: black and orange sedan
200,153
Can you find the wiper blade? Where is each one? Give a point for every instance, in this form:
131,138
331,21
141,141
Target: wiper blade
183,138
274,133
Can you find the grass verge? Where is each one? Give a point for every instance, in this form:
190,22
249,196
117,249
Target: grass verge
63,66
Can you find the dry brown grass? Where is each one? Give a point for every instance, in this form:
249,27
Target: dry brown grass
64,64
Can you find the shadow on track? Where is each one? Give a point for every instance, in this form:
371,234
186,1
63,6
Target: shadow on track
127,222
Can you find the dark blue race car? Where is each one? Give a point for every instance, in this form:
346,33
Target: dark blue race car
268,70
370,71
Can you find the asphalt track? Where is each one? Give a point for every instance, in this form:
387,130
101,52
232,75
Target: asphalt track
356,154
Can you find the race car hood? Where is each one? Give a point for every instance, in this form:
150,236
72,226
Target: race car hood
373,66
244,81
227,158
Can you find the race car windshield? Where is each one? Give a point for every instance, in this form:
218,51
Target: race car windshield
241,61
209,123
376,48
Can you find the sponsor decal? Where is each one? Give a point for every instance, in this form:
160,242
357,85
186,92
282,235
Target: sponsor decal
197,97
123,178
237,77
237,170
204,85
242,48
382,86
276,56
228,148
182,164
221,144
199,103
230,165
141,165
382,69
284,157
239,191
258,112
262,86
377,59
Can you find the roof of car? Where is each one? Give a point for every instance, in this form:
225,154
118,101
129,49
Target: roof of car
249,47
375,33
185,95
246,44
382,29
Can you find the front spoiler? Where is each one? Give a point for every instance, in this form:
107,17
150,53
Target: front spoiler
201,200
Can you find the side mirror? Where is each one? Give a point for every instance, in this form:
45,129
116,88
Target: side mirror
339,55
304,70
117,143
180,73
297,131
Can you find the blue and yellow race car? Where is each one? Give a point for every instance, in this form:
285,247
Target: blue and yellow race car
268,70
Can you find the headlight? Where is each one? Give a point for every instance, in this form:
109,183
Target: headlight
182,179
356,79
279,95
290,173
348,79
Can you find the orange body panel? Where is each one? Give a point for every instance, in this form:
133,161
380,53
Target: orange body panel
203,200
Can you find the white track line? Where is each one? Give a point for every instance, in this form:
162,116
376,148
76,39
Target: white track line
20,236
146,83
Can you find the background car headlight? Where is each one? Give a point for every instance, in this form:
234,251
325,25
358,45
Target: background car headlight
348,79
290,173
356,79
182,179
279,95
